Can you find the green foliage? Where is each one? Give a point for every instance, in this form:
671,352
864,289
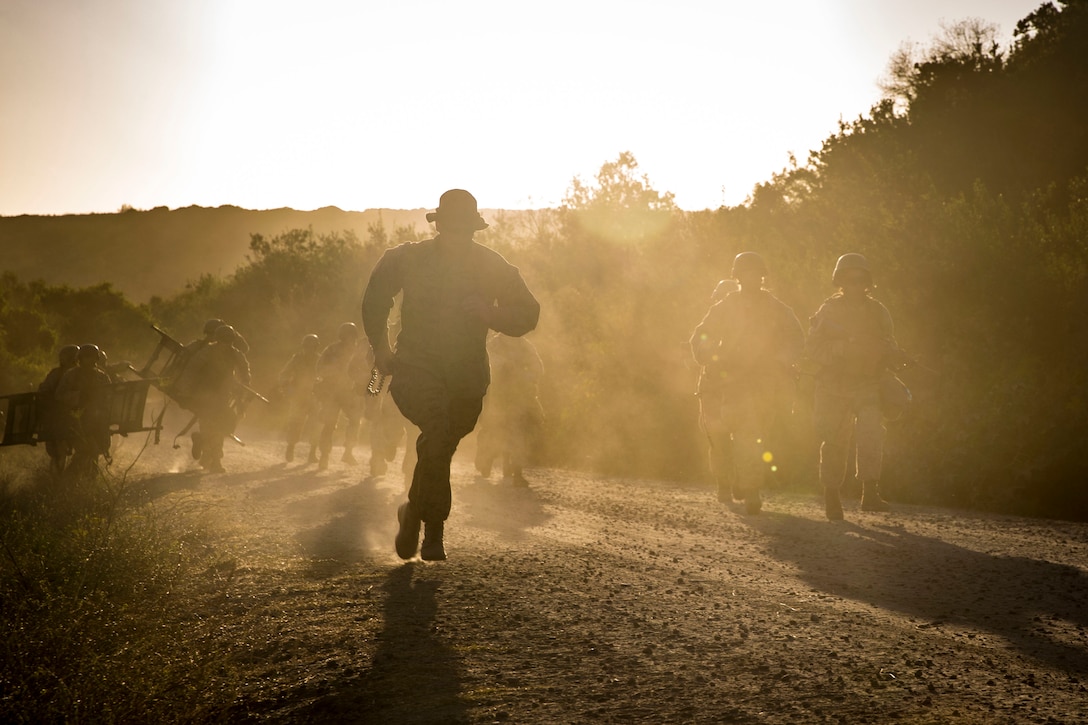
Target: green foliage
294,283
36,319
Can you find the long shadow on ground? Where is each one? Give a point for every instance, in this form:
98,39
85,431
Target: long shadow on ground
1035,605
414,676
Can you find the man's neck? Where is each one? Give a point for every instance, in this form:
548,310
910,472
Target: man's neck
455,239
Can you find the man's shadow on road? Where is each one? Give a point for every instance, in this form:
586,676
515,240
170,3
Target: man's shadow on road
1016,598
414,675
501,507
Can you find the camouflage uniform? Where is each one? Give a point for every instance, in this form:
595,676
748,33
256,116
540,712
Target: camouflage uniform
52,415
296,382
213,373
747,343
512,414
851,341
83,393
341,373
454,291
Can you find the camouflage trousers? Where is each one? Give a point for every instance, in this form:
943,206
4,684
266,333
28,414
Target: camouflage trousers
736,423
351,405
837,415
217,421
444,415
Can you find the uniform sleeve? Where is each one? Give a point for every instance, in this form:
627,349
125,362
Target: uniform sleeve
289,371
242,367
817,344
896,356
793,336
707,336
517,310
67,393
385,282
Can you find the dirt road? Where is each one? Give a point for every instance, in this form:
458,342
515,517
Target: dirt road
586,599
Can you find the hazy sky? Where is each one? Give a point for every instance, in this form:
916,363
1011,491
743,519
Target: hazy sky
362,104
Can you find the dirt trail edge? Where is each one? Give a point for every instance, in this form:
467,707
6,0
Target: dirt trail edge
590,599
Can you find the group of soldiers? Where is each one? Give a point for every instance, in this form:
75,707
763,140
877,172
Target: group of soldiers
74,413
751,346
203,377
460,303
333,392
323,386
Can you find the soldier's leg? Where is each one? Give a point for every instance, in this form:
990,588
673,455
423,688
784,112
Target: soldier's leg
329,416
293,430
517,450
373,414
353,414
720,446
215,424
411,437
442,421
869,432
834,421
393,429
487,444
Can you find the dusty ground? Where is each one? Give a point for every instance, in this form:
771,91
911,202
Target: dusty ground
630,601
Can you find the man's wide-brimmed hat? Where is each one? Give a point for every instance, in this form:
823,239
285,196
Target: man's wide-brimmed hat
457,207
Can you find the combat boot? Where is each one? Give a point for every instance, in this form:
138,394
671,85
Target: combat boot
323,462
832,503
407,541
312,458
432,549
870,497
726,491
348,457
290,455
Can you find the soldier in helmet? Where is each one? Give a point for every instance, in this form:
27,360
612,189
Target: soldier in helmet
748,342
453,292
83,393
297,385
210,326
340,372
710,391
53,419
851,341
213,374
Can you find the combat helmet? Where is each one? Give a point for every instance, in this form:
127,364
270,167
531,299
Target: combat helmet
748,262
310,342
851,261
89,352
348,331
211,326
67,355
724,288
226,334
